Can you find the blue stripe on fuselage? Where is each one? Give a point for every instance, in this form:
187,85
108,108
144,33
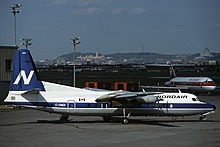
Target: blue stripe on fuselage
96,105
179,105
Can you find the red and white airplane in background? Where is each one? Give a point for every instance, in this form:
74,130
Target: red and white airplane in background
195,84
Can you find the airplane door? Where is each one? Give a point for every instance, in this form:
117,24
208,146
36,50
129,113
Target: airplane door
71,105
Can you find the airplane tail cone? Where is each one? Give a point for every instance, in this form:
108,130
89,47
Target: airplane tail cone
24,75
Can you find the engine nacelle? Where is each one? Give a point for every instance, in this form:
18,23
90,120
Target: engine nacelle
148,99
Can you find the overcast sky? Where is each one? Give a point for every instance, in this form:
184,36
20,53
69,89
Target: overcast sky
113,26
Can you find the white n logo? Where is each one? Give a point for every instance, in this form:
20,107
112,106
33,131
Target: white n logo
25,78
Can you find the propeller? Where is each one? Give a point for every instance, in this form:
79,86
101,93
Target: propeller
158,106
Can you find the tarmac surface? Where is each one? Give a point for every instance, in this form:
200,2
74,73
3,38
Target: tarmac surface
25,127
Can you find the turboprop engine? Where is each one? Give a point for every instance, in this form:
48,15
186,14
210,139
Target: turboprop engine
148,99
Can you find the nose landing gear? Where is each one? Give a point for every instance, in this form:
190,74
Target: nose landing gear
203,118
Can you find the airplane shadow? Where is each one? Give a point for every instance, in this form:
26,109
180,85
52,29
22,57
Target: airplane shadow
164,123
114,120
67,121
145,122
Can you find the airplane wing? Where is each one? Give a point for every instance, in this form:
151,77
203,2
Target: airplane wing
125,97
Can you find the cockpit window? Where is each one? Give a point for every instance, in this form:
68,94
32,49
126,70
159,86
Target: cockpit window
208,81
194,99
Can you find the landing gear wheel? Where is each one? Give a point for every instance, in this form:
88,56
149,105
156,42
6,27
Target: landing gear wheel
124,120
64,117
202,118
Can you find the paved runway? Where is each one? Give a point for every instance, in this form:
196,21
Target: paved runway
24,127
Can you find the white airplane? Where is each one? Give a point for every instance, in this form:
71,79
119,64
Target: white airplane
27,90
195,84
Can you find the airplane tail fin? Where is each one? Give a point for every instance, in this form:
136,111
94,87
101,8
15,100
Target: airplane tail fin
24,76
172,72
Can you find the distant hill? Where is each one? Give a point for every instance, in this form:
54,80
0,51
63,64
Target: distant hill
69,56
147,57
140,55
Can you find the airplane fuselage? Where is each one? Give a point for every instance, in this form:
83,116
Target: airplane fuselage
64,100
197,84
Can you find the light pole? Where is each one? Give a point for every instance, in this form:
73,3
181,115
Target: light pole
15,10
75,42
26,42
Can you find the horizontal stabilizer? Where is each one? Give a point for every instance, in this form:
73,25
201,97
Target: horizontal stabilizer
32,91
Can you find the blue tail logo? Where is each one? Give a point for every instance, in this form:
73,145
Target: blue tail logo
25,78
24,75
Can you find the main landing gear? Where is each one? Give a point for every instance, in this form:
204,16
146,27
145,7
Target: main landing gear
64,117
125,118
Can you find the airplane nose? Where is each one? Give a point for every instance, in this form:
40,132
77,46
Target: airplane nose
214,107
167,83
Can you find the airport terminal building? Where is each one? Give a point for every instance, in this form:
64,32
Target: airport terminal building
6,60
